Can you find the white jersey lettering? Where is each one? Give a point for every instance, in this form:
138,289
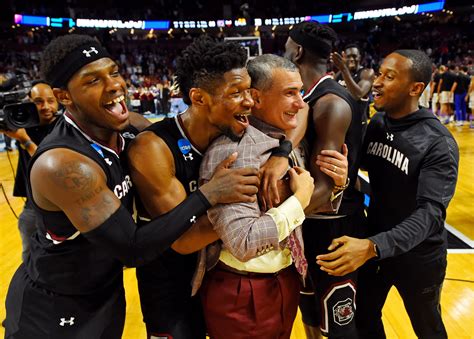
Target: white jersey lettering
192,186
123,188
390,154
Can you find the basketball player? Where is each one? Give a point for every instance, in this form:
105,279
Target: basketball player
436,77
335,118
357,79
470,98
165,163
253,262
71,285
412,160
446,97
460,88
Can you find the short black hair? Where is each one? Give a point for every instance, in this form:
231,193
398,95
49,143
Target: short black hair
464,68
352,45
205,61
261,68
36,82
319,38
421,64
58,49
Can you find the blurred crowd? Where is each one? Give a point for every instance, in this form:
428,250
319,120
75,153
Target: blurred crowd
147,59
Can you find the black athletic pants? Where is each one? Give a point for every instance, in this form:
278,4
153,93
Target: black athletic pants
33,312
419,282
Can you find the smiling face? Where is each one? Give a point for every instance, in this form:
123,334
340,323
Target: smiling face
279,104
352,58
43,97
230,104
393,88
96,95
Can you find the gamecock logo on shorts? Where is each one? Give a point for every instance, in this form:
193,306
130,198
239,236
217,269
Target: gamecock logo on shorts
343,312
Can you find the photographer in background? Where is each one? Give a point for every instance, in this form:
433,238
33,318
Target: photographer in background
28,139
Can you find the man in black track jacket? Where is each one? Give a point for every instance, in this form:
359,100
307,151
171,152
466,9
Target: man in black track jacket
412,162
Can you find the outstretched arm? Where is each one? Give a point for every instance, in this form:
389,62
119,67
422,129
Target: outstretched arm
64,180
436,185
152,169
153,172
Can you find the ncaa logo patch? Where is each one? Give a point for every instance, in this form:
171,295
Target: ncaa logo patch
343,312
185,148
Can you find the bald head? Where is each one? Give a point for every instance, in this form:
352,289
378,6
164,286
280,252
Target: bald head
42,96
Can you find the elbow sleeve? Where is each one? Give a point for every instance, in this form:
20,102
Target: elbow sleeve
136,246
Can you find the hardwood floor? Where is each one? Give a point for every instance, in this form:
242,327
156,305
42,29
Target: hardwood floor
458,292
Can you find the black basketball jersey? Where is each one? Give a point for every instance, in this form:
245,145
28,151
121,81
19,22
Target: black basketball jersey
352,199
187,158
436,79
448,78
355,76
363,102
463,80
170,274
61,259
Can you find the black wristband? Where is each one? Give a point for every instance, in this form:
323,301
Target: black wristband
283,150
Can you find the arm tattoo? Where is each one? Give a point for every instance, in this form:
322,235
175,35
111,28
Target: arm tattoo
86,214
74,177
107,201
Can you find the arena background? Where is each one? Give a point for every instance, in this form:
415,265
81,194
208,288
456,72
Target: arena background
145,37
